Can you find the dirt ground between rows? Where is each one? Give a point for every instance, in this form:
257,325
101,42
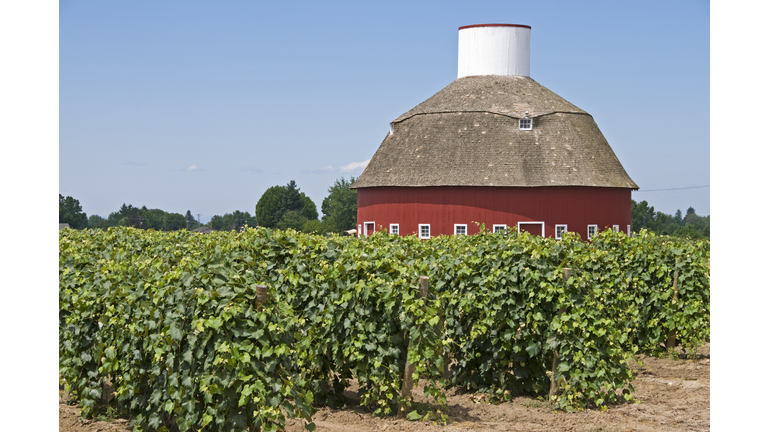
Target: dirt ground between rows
674,396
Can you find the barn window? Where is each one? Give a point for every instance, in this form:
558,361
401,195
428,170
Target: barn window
525,124
460,229
499,228
591,230
559,230
394,229
424,231
616,228
368,228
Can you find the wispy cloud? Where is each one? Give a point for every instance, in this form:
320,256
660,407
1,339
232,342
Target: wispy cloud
192,168
354,167
131,163
252,169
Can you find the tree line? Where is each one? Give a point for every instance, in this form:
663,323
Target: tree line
691,225
287,207
279,207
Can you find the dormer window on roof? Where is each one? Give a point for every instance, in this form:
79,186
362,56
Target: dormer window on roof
525,124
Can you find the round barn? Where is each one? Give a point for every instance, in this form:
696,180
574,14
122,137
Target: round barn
497,148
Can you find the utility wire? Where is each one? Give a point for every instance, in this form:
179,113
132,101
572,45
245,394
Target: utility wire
658,190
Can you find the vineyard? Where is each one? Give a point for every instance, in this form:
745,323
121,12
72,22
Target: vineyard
178,324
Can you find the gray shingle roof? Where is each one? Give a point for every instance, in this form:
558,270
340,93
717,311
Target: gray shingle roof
467,135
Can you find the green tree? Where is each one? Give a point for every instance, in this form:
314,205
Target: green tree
314,227
308,208
292,197
71,213
155,219
96,222
340,206
689,231
275,204
232,221
217,223
679,217
191,222
692,225
128,215
292,219
143,218
174,222
269,209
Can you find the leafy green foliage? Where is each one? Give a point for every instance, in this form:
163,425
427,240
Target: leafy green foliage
171,318
96,222
292,219
269,209
144,218
315,227
191,222
691,226
72,213
232,221
285,207
340,206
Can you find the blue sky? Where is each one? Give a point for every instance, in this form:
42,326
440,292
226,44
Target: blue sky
202,106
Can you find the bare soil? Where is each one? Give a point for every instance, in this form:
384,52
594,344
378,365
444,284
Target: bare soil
673,394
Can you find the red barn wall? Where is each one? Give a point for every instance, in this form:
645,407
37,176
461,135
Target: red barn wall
442,207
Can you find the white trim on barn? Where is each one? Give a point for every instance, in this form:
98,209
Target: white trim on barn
421,232
532,222
558,233
591,230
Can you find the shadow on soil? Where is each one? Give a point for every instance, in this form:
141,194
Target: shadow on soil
454,411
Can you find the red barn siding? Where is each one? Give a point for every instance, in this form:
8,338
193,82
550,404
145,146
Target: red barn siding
442,207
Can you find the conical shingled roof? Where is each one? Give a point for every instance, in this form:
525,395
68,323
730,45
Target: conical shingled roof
467,135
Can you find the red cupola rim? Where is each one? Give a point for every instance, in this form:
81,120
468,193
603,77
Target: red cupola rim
494,25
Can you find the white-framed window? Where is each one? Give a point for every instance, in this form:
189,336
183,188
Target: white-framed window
525,124
616,228
368,228
459,229
499,227
591,230
359,230
629,230
531,223
424,231
559,230
394,229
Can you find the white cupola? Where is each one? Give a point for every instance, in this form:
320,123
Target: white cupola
494,49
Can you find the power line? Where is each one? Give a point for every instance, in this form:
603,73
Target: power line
659,190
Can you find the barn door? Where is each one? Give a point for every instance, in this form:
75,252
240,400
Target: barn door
368,228
536,228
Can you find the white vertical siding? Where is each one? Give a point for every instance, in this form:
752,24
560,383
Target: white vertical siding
494,50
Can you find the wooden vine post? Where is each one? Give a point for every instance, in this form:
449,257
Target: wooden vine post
673,333
261,296
405,391
555,355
